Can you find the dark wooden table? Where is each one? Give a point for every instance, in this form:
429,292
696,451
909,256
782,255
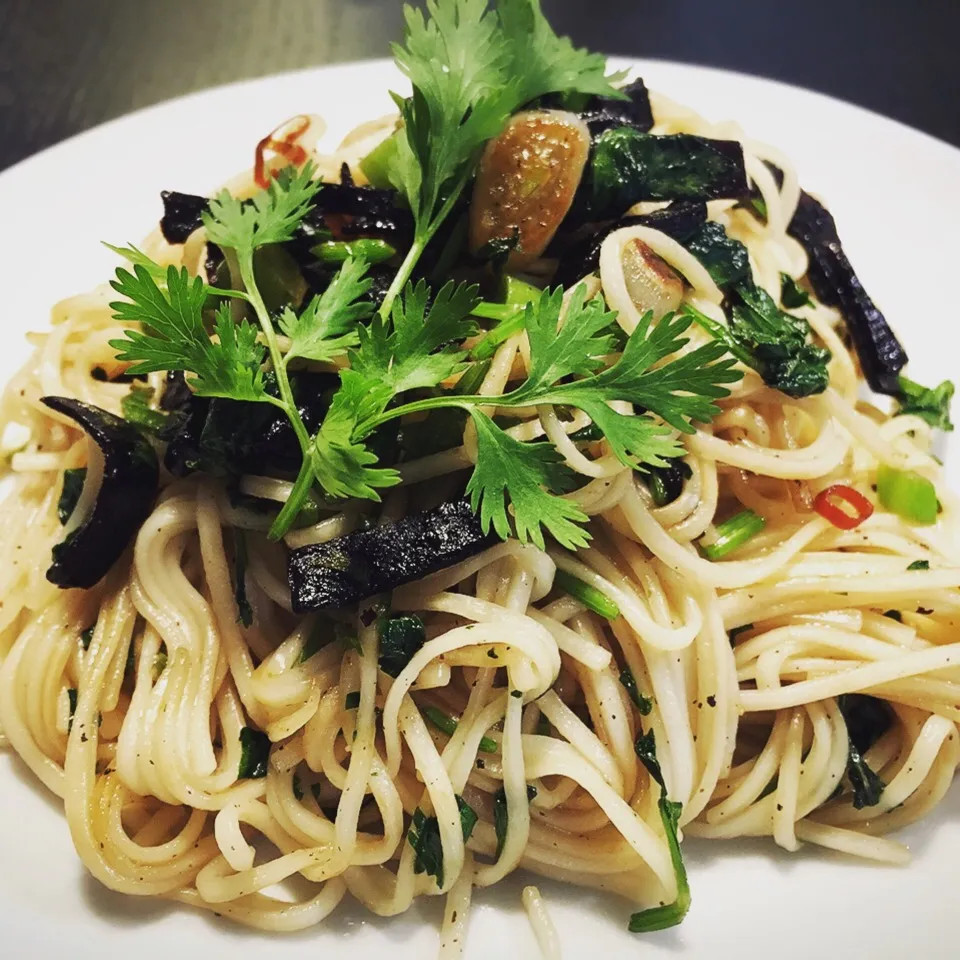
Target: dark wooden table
66,65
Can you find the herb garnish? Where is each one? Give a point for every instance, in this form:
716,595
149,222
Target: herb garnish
471,67
424,837
669,914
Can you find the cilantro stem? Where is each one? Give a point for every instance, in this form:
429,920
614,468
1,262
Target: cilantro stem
305,478
295,502
403,274
422,237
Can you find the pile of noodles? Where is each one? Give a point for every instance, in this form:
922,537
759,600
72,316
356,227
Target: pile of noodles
749,734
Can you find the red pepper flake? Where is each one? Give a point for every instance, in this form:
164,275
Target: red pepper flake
843,506
284,142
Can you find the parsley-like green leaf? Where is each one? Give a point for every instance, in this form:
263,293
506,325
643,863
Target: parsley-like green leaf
419,346
175,337
527,473
270,216
629,681
400,640
327,327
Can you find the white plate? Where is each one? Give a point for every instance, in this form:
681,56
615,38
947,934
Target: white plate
896,196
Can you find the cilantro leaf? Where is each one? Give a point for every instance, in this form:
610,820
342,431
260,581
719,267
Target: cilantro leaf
137,257
270,216
175,337
545,63
573,348
528,472
419,346
678,392
932,404
327,326
342,465
457,63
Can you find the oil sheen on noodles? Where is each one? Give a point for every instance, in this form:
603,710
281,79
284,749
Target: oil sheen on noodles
148,771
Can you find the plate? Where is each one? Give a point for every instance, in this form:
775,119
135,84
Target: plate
895,193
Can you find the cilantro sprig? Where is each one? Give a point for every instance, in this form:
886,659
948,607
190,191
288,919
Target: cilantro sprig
471,67
226,357
567,368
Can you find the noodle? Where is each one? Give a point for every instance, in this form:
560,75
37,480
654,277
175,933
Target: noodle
139,727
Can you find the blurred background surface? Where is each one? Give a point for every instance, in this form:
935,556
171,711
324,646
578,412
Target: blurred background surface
67,65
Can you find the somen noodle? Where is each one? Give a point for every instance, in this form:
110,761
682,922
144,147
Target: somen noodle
767,624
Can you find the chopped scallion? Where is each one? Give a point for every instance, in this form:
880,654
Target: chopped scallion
369,249
448,725
907,494
592,598
733,534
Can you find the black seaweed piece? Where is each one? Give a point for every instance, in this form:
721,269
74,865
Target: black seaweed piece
680,220
836,284
344,571
227,437
602,113
176,394
182,214
127,492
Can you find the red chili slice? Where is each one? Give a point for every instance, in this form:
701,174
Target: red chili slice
283,143
828,504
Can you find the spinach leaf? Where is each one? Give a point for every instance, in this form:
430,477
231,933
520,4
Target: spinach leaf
726,259
400,639
931,404
628,166
775,344
792,295
629,681
244,610
73,480
424,837
867,719
501,816
255,751
668,914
